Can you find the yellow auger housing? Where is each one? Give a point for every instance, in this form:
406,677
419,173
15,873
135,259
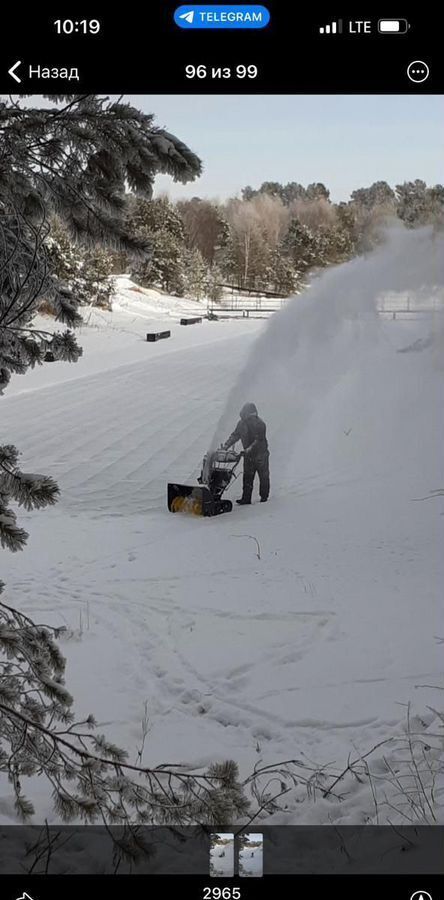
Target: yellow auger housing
194,500
188,505
205,498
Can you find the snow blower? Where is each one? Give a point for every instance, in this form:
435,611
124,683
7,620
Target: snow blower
205,498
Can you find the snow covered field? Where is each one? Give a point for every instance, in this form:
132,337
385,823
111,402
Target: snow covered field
296,630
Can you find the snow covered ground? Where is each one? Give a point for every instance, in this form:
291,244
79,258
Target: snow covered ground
148,303
296,630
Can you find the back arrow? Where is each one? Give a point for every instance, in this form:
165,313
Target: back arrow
11,71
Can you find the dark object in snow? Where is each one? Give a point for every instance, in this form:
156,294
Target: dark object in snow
212,317
158,335
252,432
49,356
193,321
205,499
417,346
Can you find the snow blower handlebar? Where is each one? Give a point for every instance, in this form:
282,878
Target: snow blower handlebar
224,455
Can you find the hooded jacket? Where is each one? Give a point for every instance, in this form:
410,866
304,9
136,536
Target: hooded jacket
251,431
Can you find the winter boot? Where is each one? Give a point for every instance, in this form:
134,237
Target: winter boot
243,502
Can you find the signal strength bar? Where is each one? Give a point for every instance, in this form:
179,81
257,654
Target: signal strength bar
332,28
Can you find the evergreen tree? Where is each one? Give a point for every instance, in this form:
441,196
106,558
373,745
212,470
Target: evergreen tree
214,281
159,225
301,244
272,188
293,191
335,245
436,204
347,222
155,215
312,248
369,211
195,274
418,204
84,270
248,193
378,194
317,191
281,275
96,270
288,192
164,267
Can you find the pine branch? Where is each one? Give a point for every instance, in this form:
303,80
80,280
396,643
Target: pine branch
91,757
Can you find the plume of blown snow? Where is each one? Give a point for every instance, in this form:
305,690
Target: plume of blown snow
330,342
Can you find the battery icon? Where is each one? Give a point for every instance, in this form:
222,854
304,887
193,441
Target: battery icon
393,26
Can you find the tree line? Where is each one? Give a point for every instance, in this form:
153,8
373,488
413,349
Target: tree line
269,238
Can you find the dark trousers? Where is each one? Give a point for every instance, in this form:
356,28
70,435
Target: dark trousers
253,465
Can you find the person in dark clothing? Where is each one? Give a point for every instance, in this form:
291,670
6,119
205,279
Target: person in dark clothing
251,431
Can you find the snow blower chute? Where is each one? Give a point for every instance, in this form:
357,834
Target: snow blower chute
205,498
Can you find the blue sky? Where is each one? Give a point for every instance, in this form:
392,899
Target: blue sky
344,141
